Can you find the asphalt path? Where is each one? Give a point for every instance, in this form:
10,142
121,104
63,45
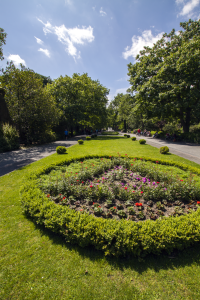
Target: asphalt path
189,151
10,161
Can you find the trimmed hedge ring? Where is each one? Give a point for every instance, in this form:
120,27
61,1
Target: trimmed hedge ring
111,236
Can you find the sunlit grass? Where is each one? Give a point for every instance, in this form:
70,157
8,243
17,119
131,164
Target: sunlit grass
37,264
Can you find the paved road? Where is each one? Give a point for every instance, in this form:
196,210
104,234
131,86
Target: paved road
10,161
189,151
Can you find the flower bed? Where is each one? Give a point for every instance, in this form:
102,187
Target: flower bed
118,205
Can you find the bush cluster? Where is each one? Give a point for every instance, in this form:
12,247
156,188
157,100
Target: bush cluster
88,138
142,141
80,142
111,236
133,138
164,150
61,150
9,138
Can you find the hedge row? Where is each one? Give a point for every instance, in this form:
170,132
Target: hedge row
111,236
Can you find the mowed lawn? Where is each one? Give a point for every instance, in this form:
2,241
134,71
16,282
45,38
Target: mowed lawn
37,264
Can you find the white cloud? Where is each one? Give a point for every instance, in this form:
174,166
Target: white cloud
93,7
123,78
102,13
70,36
123,90
16,59
39,41
68,2
45,51
188,7
138,43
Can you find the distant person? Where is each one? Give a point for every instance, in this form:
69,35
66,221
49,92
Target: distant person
139,131
66,134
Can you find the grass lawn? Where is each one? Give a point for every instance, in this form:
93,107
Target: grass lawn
37,264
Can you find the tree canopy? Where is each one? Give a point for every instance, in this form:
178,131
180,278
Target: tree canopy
3,36
165,78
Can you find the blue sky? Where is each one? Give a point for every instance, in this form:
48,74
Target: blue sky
98,37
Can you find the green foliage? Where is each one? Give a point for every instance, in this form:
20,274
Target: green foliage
2,42
133,138
128,135
93,135
164,150
32,108
110,133
164,77
88,138
9,138
125,135
142,141
61,150
80,142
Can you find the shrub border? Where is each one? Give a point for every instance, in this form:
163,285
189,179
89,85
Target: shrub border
111,236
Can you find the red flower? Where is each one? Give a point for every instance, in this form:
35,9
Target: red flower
157,162
131,164
99,206
82,181
198,202
125,188
93,203
114,207
133,191
157,182
77,180
141,192
48,195
86,167
141,158
60,194
110,156
125,154
64,197
138,204
81,209
181,180
91,186
81,162
76,173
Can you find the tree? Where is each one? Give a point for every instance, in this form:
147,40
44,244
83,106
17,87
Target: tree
32,108
165,77
3,36
82,100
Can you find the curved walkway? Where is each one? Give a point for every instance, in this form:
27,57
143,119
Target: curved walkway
10,161
189,151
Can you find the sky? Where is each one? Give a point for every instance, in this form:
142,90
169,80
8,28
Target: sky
97,37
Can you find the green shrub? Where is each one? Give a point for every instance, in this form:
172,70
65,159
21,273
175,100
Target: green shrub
125,134
80,142
9,138
110,133
93,135
142,141
88,138
133,138
128,135
61,150
164,150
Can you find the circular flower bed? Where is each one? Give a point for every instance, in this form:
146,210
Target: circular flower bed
118,205
114,188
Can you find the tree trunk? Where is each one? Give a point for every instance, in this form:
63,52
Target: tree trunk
125,129
185,118
4,113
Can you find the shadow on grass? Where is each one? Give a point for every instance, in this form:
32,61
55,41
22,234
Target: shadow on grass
163,261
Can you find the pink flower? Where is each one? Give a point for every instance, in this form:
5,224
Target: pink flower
141,192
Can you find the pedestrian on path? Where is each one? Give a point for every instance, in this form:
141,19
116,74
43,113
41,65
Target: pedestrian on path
66,134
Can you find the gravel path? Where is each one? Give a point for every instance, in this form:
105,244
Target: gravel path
10,161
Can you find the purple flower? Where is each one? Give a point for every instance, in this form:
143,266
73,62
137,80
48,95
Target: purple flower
153,183
165,189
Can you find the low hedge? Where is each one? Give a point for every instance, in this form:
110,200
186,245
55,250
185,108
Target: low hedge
111,236
61,150
142,141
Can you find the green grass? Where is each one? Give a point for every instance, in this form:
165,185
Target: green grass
37,264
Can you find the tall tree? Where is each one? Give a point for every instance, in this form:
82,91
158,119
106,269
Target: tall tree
165,77
33,110
82,100
3,36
